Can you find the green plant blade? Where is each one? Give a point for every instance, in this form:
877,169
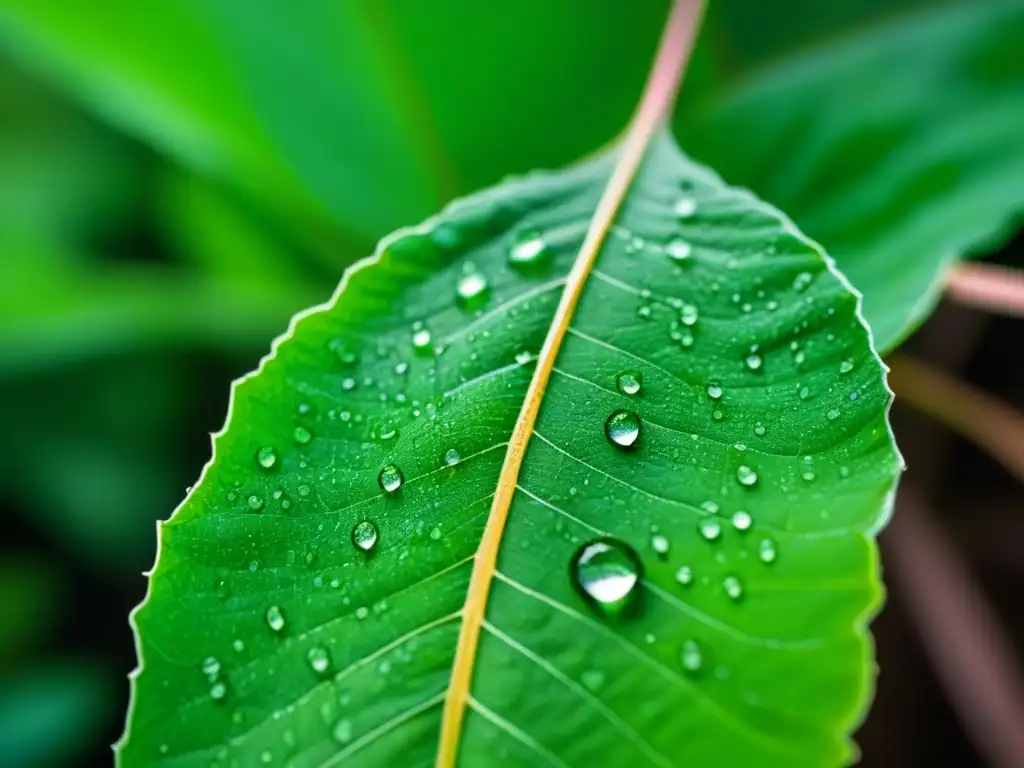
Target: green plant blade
306,601
898,149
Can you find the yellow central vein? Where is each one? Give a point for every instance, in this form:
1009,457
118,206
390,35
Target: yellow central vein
659,95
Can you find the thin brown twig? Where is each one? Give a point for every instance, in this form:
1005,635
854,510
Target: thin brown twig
971,655
988,287
994,427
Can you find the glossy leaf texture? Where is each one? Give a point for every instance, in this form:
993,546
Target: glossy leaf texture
898,148
716,422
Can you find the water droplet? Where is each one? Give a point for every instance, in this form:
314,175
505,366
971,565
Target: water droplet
832,414
643,312
275,618
759,429
318,659
255,503
386,430
710,506
343,731
421,341
623,428
746,475
451,457
660,544
218,690
435,533
808,476
345,353
741,520
688,314
472,290
390,478
362,612
630,382
690,656
301,435
266,457
592,679
714,390
766,551
364,535
733,587
710,529
529,250
804,393
684,575
686,207
523,356
754,361
606,572
846,366
678,250
802,281
211,666
238,645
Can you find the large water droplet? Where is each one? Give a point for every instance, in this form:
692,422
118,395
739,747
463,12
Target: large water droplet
528,251
364,535
275,618
846,366
421,342
715,390
318,659
255,503
471,291
390,479
630,382
606,572
746,476
451,457
691,656
266,457
623,428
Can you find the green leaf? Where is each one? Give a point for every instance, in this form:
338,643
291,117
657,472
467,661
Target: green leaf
305,605
898,149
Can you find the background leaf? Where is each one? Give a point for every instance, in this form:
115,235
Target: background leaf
898,148
306,600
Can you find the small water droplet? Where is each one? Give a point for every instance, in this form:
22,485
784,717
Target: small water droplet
523,356
808,476
678,250
759,429
710,506
804,393
643,312
318,659
266,457
733,587
255,503
301,435
364,535
606,573
529,250
238,645
343,731
344,352
218,690
660,544
623,428
421,342
211,666
686,207
275,618
630,382
472,290
832,414
684,575
754,361
710,529
689,314
802,281
766,551
691,656
451,457
592,679
746,475
435,533
741,520
715,390
362,612
386,430
390,479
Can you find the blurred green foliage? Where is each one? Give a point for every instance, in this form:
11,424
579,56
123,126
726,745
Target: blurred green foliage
178,177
